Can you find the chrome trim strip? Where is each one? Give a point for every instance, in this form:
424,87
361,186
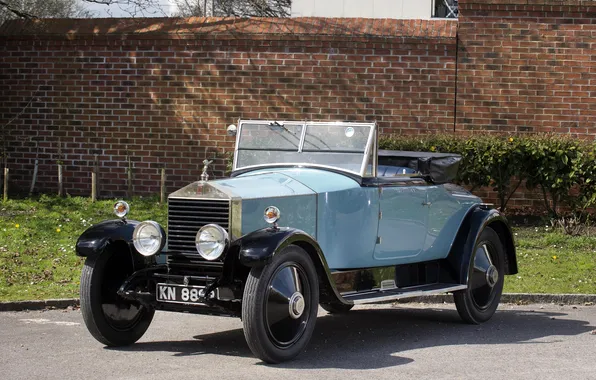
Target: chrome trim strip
300,122
367,150
302,138
376,152
200,199
406,294
235,222
238,133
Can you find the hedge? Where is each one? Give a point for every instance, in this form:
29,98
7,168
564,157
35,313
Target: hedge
561,168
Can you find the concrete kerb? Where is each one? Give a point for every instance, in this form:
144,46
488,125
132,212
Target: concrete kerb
39,304
515,298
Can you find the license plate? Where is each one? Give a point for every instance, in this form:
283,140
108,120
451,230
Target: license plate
179,293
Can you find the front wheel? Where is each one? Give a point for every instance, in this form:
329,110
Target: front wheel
486,275
111,319
279,307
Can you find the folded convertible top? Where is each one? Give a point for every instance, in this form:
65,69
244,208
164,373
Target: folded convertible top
440,167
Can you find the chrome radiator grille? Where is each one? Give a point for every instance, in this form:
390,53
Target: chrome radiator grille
187,216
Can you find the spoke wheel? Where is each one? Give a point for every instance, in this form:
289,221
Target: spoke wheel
111,319
286,310
119,313
480,300
279,307
484,276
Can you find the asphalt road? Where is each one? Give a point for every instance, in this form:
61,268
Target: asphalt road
408,341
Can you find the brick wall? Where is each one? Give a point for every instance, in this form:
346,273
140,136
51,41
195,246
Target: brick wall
527,66
162,91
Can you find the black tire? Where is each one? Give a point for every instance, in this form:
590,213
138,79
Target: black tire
274,327
336,308
111,319
480,300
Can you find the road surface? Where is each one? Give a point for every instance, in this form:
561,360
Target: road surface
405,341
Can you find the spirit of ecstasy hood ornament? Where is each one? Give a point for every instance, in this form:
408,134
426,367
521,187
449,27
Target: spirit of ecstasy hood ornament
204,175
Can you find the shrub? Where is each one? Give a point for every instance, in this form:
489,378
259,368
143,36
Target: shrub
562,168
557,166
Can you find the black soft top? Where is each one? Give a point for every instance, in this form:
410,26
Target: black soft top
440,167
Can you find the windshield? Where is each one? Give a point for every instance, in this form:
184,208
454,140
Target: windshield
342,146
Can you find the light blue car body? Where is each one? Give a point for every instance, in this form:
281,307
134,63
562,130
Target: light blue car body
356,226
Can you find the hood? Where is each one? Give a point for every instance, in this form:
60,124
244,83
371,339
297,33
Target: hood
262,185
267,183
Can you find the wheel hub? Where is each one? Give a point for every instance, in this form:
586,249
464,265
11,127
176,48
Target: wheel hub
296,305
492,276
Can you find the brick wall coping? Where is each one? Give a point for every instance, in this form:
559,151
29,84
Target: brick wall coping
224,26
554,3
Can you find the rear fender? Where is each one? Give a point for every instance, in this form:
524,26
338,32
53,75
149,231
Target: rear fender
259,247
469,232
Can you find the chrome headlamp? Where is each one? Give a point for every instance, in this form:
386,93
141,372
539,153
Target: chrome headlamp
148,238
211,241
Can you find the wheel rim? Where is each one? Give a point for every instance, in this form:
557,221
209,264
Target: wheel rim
485,276
287,305
121,314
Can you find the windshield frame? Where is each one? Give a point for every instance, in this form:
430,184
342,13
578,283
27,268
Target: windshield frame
371,146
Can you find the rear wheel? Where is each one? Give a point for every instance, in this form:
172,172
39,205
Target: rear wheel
486,276
111,319
279,307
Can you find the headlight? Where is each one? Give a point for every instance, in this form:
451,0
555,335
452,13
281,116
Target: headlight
211,241
148,237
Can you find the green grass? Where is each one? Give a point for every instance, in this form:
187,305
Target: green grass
38,237
553,262
37,258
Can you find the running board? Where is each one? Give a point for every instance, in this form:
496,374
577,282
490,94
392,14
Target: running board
378,295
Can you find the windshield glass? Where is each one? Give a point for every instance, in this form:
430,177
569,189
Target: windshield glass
338,145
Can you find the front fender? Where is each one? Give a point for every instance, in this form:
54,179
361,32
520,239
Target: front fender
259,247
97,237
469,232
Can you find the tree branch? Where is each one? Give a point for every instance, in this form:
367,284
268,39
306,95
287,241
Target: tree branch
34,97
15,11
102,2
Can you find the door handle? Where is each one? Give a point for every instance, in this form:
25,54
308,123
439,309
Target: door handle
426,203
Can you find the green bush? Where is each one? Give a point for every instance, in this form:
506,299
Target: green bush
562,168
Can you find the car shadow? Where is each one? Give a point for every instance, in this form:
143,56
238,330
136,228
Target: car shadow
384,336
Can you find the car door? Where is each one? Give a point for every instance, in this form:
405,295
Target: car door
403,221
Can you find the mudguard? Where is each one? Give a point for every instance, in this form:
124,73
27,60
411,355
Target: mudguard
469,232
94,240
259,247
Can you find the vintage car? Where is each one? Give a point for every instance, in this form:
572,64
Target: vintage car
313,214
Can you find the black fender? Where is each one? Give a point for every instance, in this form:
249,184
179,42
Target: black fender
259,247
96,238
469,232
